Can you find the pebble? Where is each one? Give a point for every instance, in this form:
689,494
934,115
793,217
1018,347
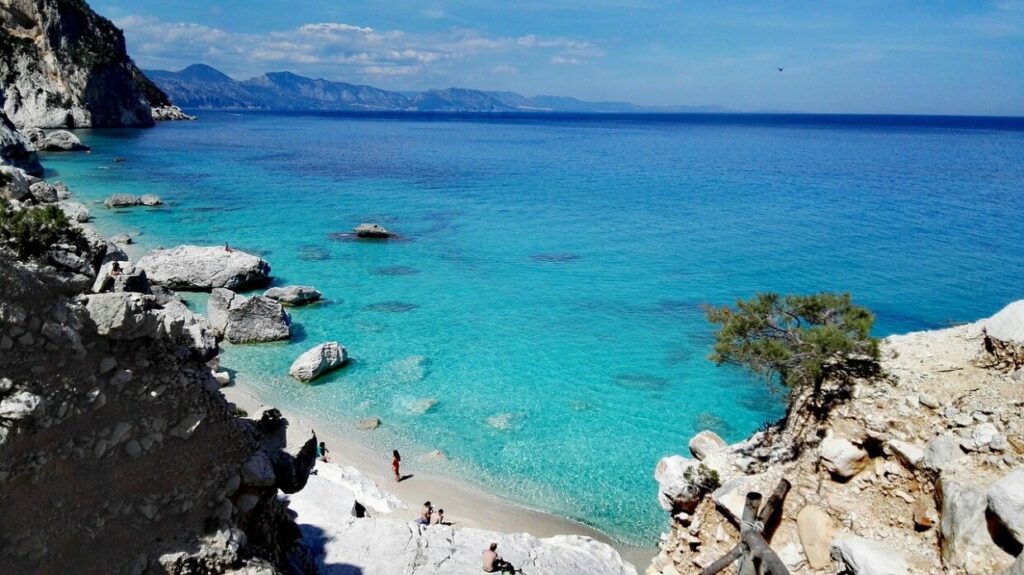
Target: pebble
928,401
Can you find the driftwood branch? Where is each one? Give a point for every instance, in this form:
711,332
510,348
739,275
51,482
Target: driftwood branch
754,554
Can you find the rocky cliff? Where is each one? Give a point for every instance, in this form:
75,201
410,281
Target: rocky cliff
917,469
63,65
118,453
15,149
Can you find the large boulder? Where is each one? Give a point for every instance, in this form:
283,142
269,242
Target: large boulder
677,488
129,316
293,295
58,141
241,319
943,453
14,185
317,361
75,211
862,556
127,279
257,319
963,530
1008,324
1006,503
204,268
816,529
15,148
371,231
131,200
842,458
705,443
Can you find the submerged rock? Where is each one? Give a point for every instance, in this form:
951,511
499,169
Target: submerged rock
204,268
371,231
317,361
293,295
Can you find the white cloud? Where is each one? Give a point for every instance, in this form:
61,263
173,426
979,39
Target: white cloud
339,50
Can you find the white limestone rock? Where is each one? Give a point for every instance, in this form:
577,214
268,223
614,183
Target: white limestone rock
20,405
15,148
14,184
245,320
816,530
204,268
862,556
910,455
169,113
1008,324
964,538
942,453
676,490
1006,503
842,458
317,361
362,488
381,546
59,141
372,231
293,295
705,443
75,211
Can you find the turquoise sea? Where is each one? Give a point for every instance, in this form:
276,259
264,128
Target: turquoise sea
548,286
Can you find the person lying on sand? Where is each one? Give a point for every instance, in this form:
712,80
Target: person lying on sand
493,563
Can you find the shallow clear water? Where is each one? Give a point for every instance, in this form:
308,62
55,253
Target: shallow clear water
547,289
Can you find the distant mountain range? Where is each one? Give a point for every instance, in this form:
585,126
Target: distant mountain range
200,86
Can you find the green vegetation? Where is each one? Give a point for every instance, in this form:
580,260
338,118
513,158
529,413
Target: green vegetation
795,340
704,479
29,232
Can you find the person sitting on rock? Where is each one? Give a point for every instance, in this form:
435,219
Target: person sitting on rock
424,518
437,517
493,563
115,270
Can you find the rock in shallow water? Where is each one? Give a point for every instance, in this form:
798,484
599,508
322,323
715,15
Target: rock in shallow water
317,361
293,295
241,319
204,268
372,231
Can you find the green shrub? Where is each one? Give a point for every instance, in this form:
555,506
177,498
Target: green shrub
30,232
704,479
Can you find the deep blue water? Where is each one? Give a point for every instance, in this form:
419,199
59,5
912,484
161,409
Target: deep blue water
548,285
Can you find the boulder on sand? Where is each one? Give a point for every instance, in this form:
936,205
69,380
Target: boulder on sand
293,295
317,361
374,231
204,268
241,319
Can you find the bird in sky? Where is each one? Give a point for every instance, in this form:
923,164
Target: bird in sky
781,68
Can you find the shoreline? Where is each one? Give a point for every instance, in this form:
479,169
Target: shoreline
465,505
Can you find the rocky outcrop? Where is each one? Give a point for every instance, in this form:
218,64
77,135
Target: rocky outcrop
125,277
64,66
169,113
293,295
241,319
130,200
916,471
328,514
371,231
14,184
54,141
90,397
16,150
204,268
318,361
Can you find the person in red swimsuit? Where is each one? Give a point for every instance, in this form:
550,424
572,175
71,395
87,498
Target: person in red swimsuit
396,461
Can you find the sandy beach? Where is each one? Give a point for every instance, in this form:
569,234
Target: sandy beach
464,505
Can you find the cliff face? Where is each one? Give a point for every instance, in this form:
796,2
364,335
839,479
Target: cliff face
63,65
15,149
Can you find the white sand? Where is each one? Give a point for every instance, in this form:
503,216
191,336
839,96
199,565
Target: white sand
464,505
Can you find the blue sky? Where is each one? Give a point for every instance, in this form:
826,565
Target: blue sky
937,57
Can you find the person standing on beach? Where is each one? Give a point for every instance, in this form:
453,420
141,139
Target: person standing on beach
321,452
396,462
